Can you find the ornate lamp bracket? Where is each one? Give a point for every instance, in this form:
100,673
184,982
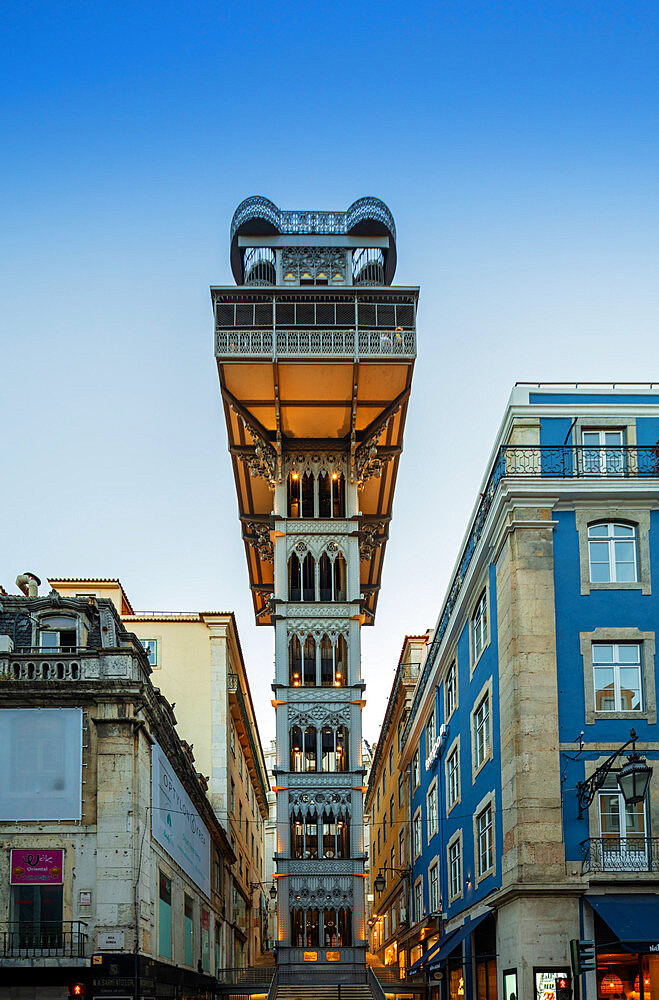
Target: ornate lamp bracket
587,790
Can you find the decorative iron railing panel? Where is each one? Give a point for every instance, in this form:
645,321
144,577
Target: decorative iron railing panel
542,462
302,221
246,975
67,939
315,343
580,461
620,854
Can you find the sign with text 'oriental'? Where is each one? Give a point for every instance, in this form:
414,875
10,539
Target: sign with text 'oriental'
36,866
176,824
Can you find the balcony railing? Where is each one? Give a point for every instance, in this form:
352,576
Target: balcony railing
620,854
315,343
63,939
579,461
544,462
246,975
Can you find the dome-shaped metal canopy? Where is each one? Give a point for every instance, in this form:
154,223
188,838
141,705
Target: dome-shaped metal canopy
256,216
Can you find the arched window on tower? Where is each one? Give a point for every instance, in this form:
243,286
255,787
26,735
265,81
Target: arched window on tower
310,750
300,493
334,834
334,749
325,577
304,835
333,662
310,661
294,579
342,749
301,578
294,662
331,495
339,578
297,760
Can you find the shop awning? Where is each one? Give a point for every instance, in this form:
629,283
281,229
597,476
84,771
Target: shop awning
420,962
436,958
633,918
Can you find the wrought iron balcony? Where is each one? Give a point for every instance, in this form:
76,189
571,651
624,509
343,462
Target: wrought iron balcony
620,854
52,939
579,461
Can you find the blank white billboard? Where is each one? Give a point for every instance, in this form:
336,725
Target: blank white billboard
176,824
42,752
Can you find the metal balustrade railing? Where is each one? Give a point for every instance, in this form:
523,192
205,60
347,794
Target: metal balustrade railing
543,462
246,975
63,938
579,461
316,343
620,854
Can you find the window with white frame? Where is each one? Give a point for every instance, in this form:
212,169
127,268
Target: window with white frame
484,840
623,828
151,650
431,811
416,833
430,733
452,778
418,900
602,452
451,689
433,888
612,553
455,867
479,626
415,770
617,677
482,731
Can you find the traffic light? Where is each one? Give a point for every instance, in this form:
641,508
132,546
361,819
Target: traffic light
563,988
583,956
77,990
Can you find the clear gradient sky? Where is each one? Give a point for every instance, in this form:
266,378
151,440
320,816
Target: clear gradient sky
517,145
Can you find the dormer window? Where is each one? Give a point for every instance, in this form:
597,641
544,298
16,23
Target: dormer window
58,632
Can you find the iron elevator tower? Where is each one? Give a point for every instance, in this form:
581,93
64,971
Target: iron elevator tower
315,351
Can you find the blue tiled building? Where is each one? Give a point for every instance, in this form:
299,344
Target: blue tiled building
542,661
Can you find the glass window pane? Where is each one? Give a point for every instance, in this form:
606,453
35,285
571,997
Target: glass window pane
623,531
602,653
599,562
635,820
630,689
610,814
591,438
604,689
612,438
629,653
598,531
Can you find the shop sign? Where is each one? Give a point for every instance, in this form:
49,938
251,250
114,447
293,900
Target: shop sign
310,956
28,867
176,824
333,956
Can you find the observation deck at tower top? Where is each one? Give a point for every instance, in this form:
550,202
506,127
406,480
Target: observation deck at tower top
314,359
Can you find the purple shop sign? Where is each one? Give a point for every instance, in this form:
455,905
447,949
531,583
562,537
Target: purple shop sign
28,867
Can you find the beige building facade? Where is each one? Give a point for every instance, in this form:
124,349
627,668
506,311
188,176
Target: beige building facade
198,664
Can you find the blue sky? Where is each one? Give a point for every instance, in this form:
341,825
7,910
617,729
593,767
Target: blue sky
518,147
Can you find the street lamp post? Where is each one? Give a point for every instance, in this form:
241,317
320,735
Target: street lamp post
380,882
633,778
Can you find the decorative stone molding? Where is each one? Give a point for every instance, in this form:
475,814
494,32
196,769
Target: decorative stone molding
316,779
646,640
316,802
